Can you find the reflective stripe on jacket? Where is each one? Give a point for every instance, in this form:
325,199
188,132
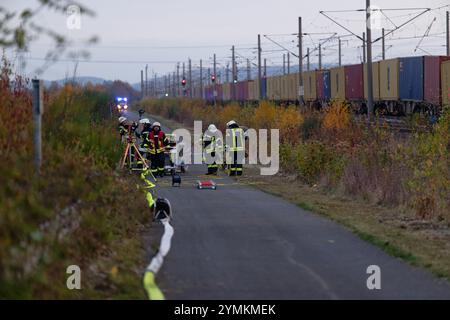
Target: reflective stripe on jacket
161,139
237,139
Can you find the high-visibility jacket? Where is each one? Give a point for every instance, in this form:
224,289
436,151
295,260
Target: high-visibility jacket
158,142
235,139
212,144
145,139
123,129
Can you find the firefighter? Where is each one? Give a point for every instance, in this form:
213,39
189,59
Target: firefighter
212,146
235,145
144,137
158,142
123,130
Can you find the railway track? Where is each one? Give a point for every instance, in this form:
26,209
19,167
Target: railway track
394,124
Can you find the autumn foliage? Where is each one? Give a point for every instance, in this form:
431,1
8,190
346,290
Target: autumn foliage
331,149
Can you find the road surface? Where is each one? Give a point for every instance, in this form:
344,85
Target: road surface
237,242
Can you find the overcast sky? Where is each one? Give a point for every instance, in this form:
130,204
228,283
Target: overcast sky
163,32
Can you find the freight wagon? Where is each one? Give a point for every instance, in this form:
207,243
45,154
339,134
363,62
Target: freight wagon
400,86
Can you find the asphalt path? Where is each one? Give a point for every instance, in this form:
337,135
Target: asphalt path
237,242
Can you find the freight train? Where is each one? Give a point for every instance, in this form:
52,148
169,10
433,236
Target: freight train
400,86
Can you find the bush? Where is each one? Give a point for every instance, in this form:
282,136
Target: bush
330,148
77,210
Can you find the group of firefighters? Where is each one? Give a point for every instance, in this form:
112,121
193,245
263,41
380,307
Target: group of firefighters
153,143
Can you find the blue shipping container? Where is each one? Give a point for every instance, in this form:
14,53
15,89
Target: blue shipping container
411,78
264,88
326,85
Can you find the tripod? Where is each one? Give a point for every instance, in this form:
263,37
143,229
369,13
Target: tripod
131,152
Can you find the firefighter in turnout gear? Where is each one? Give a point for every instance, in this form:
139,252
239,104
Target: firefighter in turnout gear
123,130
158,142
144,137
235,147
212,145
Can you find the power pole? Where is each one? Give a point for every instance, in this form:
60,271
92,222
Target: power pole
209,76
146,80
364,47
369,63
259,68
288,63
265,67
190,79
228,73
448,33
201,78
307,59
320,56
284,63
174,87
142,84
340,52
38,110
233,74
184,77
165,86
178,79
300,59
248,70
383,48
214,66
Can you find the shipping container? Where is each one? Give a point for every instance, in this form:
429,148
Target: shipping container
269,88
432,79
337,81
283,87
410,77
375,81
309,84
226,91
264,88
445,82
323,85
197,93
242,91
389,79
208,93
253,90
354,84
293,86
274,88
219,92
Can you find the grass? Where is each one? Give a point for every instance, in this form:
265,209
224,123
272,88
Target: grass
79,210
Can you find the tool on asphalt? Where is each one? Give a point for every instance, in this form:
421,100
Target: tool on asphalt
175,161
206,184
176,179
163,210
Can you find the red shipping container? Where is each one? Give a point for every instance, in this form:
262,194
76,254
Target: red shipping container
219,92
354,83
432,79
242,91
